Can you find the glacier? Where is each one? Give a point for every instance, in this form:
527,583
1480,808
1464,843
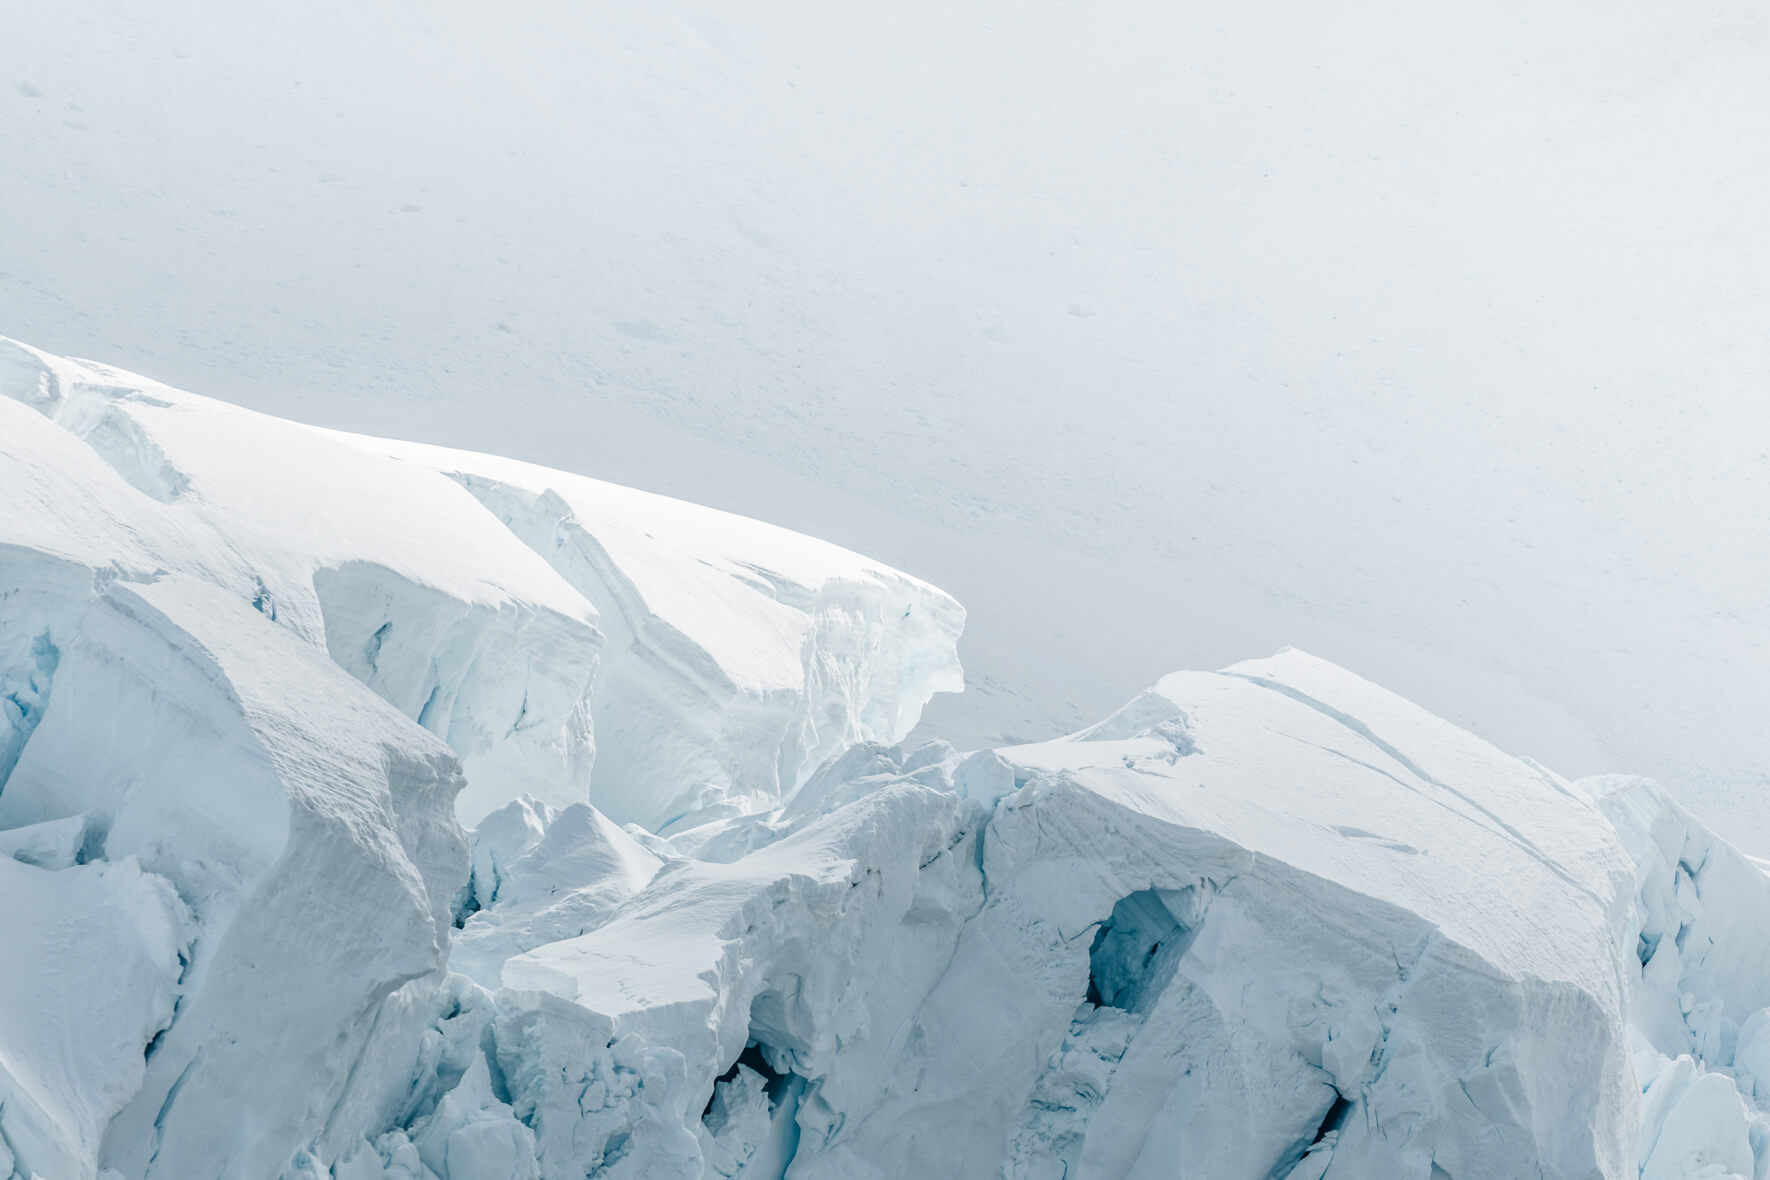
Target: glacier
372,810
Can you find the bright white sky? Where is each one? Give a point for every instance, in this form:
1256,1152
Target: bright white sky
1432,338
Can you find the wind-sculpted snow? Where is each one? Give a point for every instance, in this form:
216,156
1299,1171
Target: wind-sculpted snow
1270,923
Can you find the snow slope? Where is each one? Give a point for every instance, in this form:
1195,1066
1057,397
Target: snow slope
1428,338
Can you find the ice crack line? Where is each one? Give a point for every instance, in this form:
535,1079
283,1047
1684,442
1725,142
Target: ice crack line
1524,843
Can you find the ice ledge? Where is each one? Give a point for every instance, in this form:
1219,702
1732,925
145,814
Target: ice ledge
466,590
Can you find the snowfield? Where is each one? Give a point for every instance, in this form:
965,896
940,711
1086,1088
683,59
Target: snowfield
372,810
1428,338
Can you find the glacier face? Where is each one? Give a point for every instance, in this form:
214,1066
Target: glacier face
373,810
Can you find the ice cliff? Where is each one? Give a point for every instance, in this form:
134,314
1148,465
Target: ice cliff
371,810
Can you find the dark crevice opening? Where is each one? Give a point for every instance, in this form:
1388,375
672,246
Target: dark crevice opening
1094,996
465,904
774,1082
1134,952
1326,1136
1330,1122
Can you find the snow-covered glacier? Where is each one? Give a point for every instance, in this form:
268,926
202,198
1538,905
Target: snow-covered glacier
372,810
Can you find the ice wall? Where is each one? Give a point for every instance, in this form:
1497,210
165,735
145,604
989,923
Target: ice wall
1272,922
250,675
392,569
1269,922
466,591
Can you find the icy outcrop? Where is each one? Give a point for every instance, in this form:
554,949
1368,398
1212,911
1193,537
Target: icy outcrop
1352,952
161,719
1318,938
786,948
394,570
250,673
1700,987
465,590
307,827
1270,923
89,964
740,655
570,879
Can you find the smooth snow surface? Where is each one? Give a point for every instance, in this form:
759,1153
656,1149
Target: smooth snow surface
1426,337
709,918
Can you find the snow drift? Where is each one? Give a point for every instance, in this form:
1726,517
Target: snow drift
708,919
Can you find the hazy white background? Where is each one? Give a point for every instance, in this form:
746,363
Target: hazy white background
1434,338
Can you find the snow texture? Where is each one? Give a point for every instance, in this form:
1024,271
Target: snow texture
711,920
1426,337
262,669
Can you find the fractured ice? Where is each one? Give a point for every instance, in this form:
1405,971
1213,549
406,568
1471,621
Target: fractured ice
374,810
